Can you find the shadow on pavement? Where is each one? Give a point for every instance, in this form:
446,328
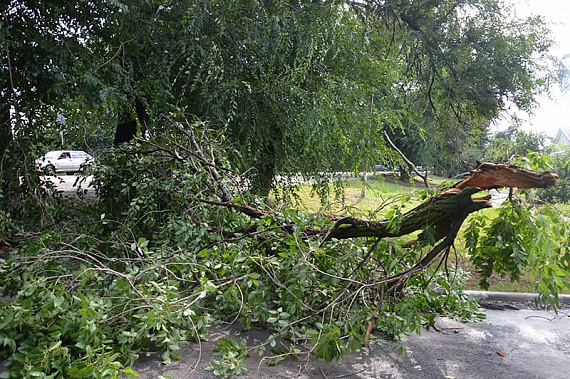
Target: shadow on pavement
525,343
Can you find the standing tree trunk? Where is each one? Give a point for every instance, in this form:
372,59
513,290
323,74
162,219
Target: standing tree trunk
127,128
9,182
266,164
263,178
5,128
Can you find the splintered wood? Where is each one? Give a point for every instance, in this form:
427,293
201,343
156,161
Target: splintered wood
494,175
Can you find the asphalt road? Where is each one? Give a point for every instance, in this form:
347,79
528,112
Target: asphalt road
526,343
70,184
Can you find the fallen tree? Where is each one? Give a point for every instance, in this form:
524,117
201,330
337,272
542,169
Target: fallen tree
176,243
442,215
438,219
449,209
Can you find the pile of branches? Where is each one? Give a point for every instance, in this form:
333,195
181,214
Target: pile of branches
441,216
175,241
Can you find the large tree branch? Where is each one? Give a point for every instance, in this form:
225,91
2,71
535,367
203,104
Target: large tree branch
494,175
220,189
447,209
441,213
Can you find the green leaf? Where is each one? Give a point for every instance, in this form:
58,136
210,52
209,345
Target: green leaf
58,301
8,318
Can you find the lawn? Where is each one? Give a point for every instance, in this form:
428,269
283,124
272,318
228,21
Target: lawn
379,193
382,192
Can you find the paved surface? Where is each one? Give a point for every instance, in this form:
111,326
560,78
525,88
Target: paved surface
523,343
70,184
526,343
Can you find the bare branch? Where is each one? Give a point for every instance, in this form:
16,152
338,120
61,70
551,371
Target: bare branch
410,164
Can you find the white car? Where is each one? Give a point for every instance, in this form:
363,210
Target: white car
62,161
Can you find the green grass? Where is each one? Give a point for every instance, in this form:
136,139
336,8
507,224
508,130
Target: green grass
563,209
381,192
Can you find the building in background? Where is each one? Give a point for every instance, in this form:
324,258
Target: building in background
562,137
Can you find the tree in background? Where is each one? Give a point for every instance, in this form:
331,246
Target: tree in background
463,68
560,162
513,143
405,71
298,87
43,48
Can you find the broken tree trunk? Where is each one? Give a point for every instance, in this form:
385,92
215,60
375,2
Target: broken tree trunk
440,212
448,209
440,218
491,175
443,214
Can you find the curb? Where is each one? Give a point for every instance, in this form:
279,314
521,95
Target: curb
512,296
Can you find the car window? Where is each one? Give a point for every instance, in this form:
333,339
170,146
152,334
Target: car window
65,155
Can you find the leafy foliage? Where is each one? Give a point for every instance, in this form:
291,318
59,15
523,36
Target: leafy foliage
301,88
522,237
513,144
232,354
156,262
560,162
283,89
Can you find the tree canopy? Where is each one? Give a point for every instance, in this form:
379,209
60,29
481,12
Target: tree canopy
298,87
201,114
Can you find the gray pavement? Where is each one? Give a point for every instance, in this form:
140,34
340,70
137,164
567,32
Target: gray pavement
70,184
526,343
511,343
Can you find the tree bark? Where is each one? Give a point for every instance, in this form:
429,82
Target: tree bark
440,214
5,127
409,163
262,182
127,128
9,182
444,211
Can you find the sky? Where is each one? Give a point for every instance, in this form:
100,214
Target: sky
552,114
